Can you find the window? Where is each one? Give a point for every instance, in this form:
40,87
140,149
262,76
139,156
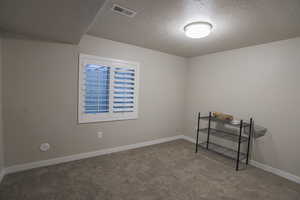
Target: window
108,89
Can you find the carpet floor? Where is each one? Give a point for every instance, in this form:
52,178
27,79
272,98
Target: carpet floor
168,171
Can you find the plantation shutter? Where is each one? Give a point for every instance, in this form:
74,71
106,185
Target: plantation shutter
123,90
108,89
96,89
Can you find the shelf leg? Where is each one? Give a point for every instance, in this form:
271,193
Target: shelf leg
239,147
249,139
208,131
198,129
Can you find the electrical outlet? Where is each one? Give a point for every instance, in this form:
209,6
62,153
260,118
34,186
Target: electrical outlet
100,134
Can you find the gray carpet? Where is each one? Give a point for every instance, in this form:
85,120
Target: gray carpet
165,171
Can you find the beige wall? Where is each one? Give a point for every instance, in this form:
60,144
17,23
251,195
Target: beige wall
40,99
1,124
260,81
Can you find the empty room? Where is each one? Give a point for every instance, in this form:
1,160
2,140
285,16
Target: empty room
149,100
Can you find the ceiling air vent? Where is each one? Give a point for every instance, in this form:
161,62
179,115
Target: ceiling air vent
123,11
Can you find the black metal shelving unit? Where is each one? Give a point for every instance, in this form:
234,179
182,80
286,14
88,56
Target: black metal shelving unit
240,138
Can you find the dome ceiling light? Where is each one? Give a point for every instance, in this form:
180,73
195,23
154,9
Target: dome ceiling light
198,29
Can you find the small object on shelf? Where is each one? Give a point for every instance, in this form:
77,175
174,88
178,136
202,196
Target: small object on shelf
217,120
235,122
223,116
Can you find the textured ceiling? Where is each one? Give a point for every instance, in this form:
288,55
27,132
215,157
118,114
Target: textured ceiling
56,20
237,23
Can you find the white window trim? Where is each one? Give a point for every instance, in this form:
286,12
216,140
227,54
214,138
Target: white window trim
110,62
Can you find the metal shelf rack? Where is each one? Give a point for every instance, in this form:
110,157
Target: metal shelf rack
240,138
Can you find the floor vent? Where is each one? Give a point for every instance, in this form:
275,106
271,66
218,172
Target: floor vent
123,11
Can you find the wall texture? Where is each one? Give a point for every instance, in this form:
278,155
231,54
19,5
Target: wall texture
40,99
1,124
260,81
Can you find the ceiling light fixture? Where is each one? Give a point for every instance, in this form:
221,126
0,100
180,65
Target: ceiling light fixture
198,29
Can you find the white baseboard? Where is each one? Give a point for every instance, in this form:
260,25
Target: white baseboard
276,171
43,163
259,165
190,139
